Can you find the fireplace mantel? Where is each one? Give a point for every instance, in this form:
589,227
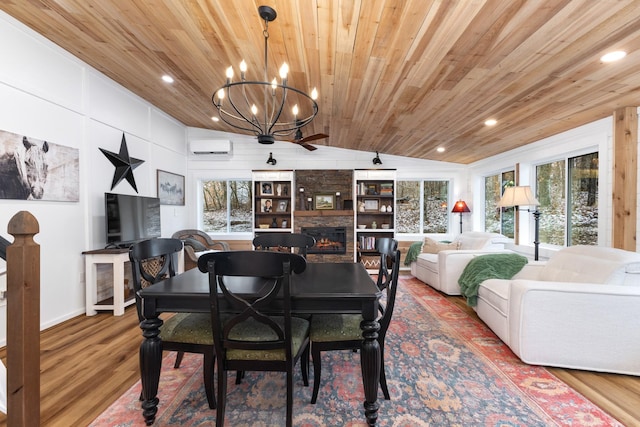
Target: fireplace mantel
321,212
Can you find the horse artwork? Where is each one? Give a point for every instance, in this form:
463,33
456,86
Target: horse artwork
32,169
170,188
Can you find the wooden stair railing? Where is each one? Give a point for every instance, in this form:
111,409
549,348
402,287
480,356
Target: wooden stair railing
23,322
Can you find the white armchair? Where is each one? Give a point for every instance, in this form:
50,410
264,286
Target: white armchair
578,310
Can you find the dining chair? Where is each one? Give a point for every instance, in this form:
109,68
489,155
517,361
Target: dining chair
386,246
248,336
331,332
154,260
270,241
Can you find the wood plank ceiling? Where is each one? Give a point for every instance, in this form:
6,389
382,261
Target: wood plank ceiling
398,77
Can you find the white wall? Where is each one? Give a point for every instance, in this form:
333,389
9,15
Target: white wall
249,155
49,94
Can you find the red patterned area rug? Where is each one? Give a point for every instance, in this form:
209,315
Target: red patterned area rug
444,368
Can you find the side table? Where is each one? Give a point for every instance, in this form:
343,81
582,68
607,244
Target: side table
117,258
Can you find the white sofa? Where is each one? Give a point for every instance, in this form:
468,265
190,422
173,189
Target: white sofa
578,310
443,269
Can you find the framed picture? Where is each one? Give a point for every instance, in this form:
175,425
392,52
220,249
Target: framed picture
324,201
50,171
371,204
282,206
170,188
266,188
266,205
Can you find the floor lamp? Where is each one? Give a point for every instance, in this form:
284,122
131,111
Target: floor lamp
460,207
522,196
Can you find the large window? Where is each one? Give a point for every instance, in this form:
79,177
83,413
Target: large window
226,206
430,216
568,196
497,220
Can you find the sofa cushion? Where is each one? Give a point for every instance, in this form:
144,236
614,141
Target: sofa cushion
431,246
632,276
476,240
429,261
495,292
590,264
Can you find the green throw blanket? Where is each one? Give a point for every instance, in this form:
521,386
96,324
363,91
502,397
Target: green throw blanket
490,266
412,253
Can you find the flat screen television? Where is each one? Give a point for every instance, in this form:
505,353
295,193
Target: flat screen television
130,219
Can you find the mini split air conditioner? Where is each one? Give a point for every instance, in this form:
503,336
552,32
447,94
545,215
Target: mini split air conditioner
212,148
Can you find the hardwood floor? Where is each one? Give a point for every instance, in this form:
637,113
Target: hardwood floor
88,362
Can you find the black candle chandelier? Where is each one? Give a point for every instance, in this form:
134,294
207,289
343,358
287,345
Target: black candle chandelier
267,109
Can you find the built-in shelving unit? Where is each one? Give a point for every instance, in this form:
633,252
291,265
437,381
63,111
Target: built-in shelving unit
273,193
374,212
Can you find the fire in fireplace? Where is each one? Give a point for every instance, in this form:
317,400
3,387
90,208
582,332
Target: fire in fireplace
329,240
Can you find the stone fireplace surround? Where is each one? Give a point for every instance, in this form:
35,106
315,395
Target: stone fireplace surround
325,182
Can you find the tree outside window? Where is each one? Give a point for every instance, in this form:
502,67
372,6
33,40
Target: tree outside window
432,216
583,200
435,207
227,206
550,189
408,206
496,219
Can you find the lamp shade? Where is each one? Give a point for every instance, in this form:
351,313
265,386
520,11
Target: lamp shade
518,196
460,206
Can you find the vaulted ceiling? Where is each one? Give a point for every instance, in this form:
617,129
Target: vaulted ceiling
398,77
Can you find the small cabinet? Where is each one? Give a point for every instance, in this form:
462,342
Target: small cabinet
273,201
374,212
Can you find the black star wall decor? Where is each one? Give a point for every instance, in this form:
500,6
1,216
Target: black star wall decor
123,163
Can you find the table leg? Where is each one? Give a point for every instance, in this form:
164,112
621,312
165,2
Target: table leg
150,364
91,286
370,364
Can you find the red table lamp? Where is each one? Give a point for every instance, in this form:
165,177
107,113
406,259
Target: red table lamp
460,207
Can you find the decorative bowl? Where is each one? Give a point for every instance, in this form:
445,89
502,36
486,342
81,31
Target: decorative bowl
264,225
362,226
385,226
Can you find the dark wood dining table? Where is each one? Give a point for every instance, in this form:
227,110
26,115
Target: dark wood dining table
321,288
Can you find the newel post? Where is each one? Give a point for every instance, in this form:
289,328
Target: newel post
23,322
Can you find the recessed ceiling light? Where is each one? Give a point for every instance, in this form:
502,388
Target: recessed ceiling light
440,149
167,79
491,122
215,119
613,56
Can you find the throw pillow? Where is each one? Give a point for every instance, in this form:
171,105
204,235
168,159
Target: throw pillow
195,244
430,246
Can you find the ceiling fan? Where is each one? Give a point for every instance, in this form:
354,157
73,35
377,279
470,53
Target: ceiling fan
303,141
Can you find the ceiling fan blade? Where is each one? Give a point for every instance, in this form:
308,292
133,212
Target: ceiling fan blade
313,137
305,145
304,140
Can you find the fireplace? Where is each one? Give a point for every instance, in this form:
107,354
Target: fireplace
329,240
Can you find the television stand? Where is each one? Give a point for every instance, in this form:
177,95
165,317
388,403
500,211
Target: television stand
117,257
